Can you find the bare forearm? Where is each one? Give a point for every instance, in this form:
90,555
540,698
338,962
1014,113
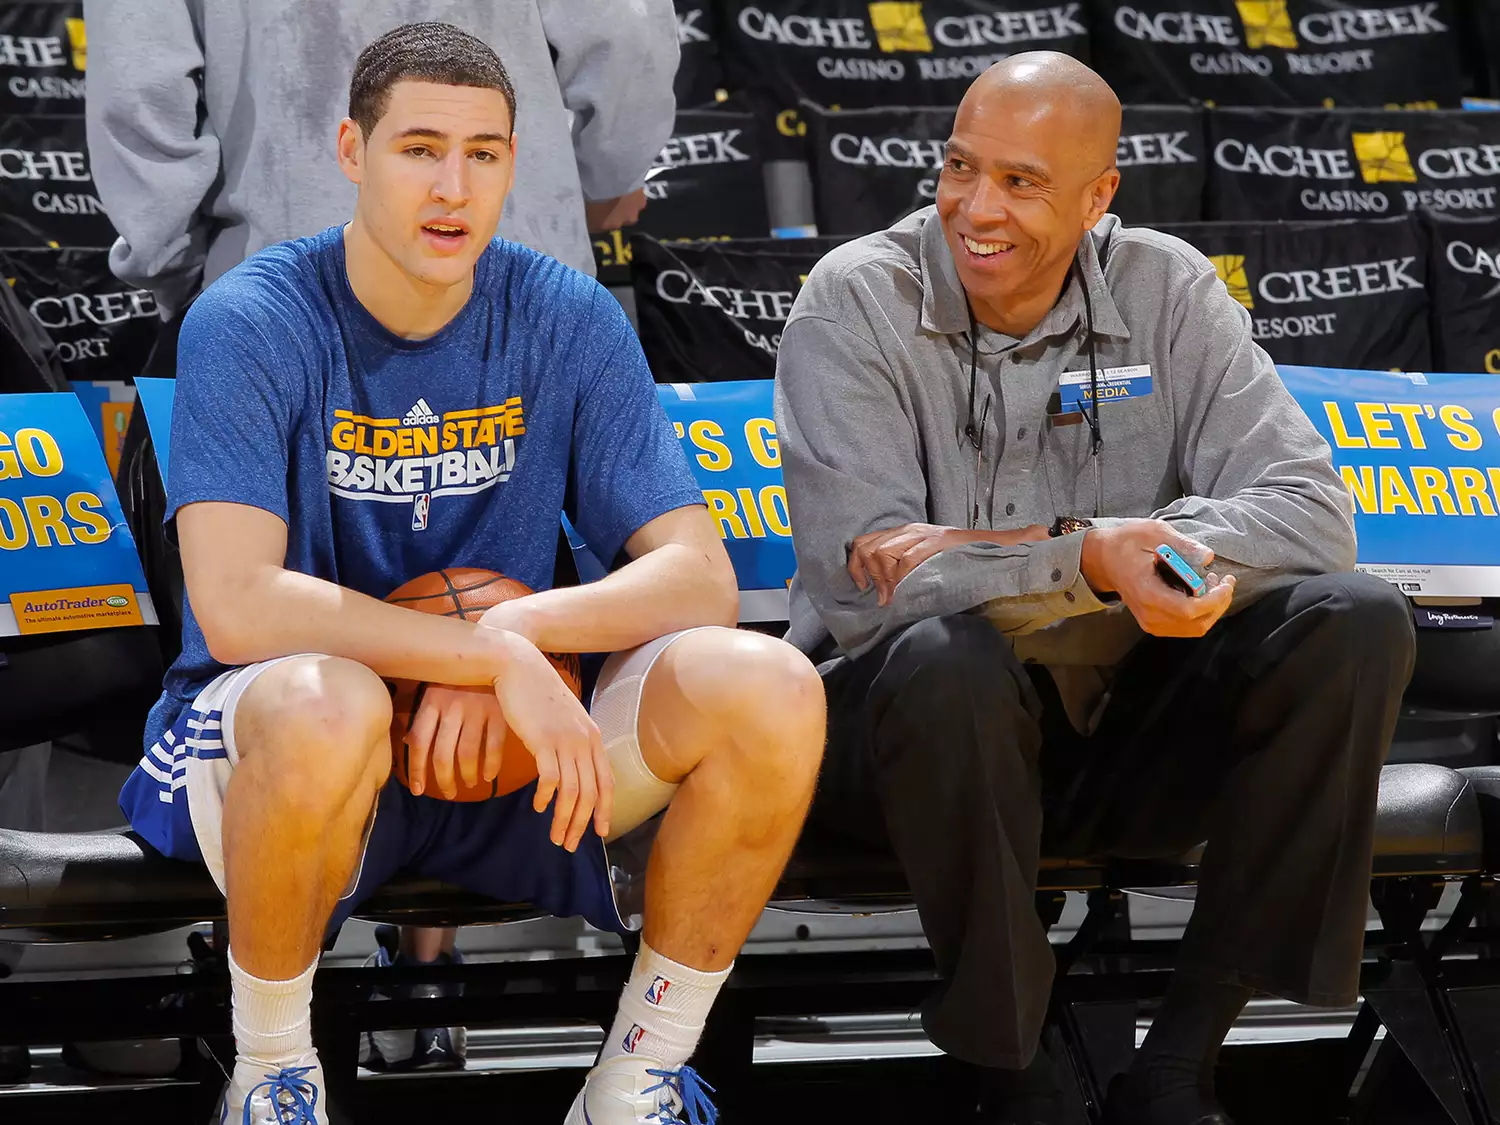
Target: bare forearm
672,588
275,612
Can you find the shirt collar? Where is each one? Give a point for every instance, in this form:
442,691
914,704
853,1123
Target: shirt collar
945,308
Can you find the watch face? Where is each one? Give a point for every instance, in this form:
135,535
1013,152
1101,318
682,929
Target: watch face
1067,525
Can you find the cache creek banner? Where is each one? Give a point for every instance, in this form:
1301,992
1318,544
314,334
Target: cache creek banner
1420,456
1347,294
46,190
707,182
699,74
1343,164
1281,52
714,311
102,328
852,54
1465,279
43,52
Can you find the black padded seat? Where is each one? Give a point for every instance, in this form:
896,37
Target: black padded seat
1427,822
98,885
1485,782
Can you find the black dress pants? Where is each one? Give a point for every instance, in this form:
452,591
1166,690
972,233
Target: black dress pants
1265,739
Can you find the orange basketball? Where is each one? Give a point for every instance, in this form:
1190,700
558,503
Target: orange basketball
467,593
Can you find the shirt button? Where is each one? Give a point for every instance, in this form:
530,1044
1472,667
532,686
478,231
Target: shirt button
1068,596
1057,576
1021,434
1010,509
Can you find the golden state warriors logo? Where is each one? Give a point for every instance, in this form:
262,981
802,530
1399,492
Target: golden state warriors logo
422,456
900,26
1383,158
1231,271
1267,24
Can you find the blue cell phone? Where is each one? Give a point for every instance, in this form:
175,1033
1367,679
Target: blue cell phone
1176,573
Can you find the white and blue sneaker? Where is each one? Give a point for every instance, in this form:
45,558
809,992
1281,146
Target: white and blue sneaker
631,1091
290,1095
407,1049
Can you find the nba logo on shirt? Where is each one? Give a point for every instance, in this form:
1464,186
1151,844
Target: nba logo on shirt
658,990
633,1038
419,511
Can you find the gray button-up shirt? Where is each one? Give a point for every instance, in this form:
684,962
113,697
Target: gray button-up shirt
872,401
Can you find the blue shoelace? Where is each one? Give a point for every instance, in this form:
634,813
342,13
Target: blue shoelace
691,1090
301,1097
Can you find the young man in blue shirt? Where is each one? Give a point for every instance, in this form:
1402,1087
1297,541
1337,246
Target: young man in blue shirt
400,395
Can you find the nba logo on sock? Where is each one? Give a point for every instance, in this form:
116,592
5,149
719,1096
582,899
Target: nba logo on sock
633,1038
419,511
658,990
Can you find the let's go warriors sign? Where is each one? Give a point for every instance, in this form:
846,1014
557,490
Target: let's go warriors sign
1341,164
851,54
1281,52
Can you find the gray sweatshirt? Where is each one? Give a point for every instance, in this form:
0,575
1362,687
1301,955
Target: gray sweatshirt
872,400
212,123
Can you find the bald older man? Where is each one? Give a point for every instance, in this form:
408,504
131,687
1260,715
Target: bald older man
991,415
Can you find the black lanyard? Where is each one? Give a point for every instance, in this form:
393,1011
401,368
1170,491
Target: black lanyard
974,430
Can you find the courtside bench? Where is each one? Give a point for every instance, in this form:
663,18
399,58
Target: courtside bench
101,886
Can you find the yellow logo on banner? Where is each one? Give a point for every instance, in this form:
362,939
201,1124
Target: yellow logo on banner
1267,24
1383,159
82,607
78,37
899,26
1231,271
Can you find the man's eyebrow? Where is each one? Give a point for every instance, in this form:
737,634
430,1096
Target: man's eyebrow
477,138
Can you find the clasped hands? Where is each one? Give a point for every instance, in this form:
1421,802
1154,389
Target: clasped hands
1118,560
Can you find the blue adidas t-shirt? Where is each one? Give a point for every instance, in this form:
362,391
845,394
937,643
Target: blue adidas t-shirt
390,458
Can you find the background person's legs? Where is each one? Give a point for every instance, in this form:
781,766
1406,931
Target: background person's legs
939,728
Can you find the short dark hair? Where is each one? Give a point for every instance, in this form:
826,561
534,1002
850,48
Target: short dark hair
423,52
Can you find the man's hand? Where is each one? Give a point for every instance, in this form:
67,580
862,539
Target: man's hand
461,730
886,557
452,727
612,214
1121,560
570,760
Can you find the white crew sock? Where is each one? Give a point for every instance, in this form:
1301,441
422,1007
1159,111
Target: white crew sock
662,1011
272,1018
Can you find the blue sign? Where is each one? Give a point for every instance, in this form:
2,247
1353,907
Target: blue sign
729,434
1420,456
66,558
155,397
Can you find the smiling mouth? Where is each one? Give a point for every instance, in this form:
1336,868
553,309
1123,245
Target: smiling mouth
985,249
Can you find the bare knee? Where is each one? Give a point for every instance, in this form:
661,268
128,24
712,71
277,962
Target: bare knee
765,704
322,723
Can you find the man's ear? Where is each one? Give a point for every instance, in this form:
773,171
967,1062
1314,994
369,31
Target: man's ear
351,150
1101,195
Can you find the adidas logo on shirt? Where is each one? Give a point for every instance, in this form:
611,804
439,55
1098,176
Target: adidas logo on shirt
420,415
